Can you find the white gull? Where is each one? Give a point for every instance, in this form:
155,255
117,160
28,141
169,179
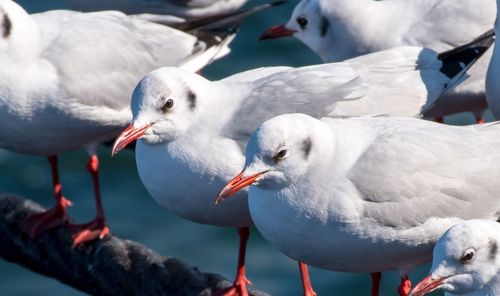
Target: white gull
340,29
366,194
65,84
465,261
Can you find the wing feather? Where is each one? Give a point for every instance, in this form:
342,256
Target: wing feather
428,171
100,56
399,81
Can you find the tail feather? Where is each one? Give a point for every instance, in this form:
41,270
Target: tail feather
205,57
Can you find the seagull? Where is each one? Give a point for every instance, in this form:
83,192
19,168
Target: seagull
493,76
466,261
341,29
65,84
177,9
183,121
366,194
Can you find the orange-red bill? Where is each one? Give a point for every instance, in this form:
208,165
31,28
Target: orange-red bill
277,32
426,286
128,135
236,184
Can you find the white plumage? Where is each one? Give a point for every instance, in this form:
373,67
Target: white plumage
179,155
65,83
192,131
367,194
342,29
465,261
72,74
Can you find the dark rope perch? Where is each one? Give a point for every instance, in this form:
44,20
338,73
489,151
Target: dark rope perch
109,267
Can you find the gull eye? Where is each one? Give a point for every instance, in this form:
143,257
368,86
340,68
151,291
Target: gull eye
467,256
302,21
167,106
282,154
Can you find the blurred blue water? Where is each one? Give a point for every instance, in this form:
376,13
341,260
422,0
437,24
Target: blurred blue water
134,215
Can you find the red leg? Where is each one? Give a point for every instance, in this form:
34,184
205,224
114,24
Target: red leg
479,120
439,119
307,289
376,276
239,287
95,229
405,286
37,224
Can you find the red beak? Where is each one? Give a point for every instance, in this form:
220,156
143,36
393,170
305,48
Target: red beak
236,184
128,135
426,286
277,32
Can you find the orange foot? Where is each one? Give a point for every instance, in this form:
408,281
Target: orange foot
95,229
239,288
310,292
405,286
36,224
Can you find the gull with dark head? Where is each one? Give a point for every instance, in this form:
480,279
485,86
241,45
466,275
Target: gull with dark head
466,261
342,29
366,194
192,132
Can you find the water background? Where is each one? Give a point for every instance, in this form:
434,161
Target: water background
132,214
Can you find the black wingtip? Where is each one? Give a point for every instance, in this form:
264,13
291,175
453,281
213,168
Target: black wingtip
460,59
226,20
276,3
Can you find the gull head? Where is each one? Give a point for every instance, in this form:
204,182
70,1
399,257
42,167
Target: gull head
306,24
164,105
19,34
278,153
466,260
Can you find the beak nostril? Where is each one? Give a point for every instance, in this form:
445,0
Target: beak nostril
236,180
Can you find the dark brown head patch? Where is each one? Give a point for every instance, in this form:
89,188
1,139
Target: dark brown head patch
493,249
306,147
324,25
191,96
6,26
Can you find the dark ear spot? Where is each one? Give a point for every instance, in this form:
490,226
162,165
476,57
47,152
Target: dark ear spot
324,26
6,26
191,96
493,249
306,147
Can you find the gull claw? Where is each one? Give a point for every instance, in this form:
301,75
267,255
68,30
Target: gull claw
95,229
36,224
239,288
